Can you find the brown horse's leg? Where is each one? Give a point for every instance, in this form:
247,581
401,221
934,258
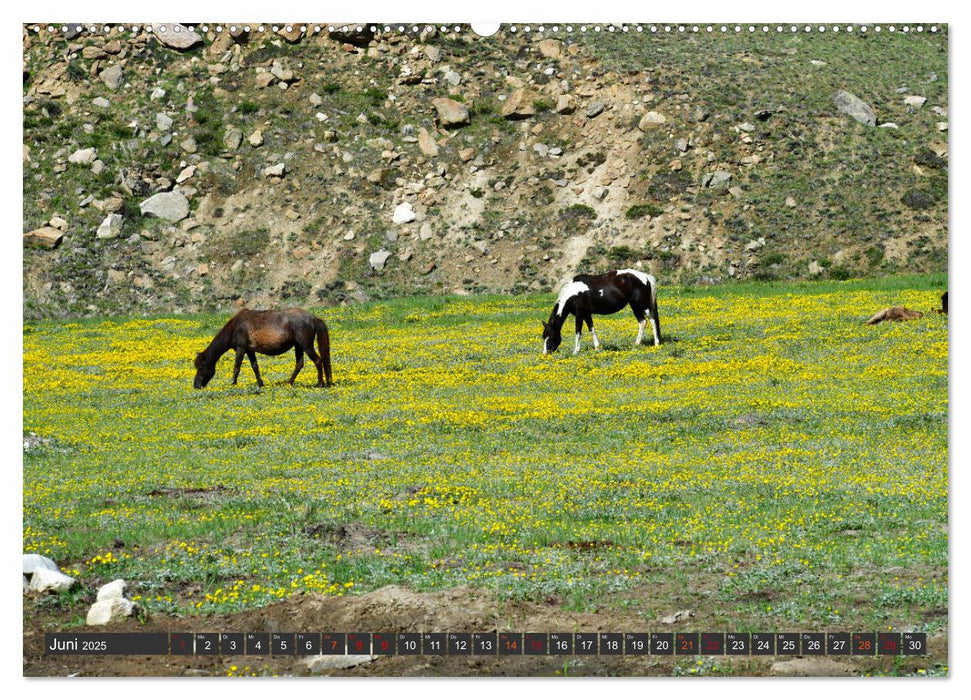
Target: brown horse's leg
256,369
318,363
296,370
239,363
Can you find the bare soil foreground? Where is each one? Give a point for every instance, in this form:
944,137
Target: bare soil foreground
395,609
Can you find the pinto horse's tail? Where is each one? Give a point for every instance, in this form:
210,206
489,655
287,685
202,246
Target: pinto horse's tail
323,345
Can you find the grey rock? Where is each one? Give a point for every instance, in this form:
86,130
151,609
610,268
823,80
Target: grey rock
101,102
176,36
110,227
850,104
481,246
113,76
158,93
170,206
163,121
542,150
316,664
276,170
232,138
452,78
815,268
34,562
378,258
594,108
717,181
83,156
915,101
564,104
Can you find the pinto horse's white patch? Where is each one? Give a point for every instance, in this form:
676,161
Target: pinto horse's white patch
645,278
568,292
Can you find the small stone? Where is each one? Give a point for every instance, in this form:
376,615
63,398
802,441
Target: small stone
256,139
426,232
915,101
549,48
403,213
163,122
58,223
519,105
276,170
565,104
186,173
815,268
852,105
651,120
232,138
189,145
594,109
427,144
83,156
450,112
466,154
790,201
158,93
101,102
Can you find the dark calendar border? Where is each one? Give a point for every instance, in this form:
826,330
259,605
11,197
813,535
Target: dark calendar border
487,643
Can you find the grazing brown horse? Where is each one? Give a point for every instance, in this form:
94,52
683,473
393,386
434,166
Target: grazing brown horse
268,333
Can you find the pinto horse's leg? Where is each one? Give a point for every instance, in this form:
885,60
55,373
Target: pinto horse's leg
296,370
239,363
256,368
579,329
596,340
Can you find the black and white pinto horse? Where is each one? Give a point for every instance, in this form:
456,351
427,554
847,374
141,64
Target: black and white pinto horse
603,294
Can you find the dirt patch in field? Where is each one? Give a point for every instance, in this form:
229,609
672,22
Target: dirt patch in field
395,609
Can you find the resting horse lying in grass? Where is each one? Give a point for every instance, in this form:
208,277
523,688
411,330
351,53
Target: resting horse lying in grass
603,294
268,333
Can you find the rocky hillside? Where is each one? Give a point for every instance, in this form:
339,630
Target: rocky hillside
204,170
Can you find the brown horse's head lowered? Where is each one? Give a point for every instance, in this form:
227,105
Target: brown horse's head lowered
268,333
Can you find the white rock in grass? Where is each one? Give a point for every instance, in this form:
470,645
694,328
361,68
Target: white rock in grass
46,580
111,226
403,213
316,664
33,562
116,589
110,610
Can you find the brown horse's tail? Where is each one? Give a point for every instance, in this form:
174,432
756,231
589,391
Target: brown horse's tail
323,345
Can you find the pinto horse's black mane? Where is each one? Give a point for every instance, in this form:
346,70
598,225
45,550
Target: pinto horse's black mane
587,295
